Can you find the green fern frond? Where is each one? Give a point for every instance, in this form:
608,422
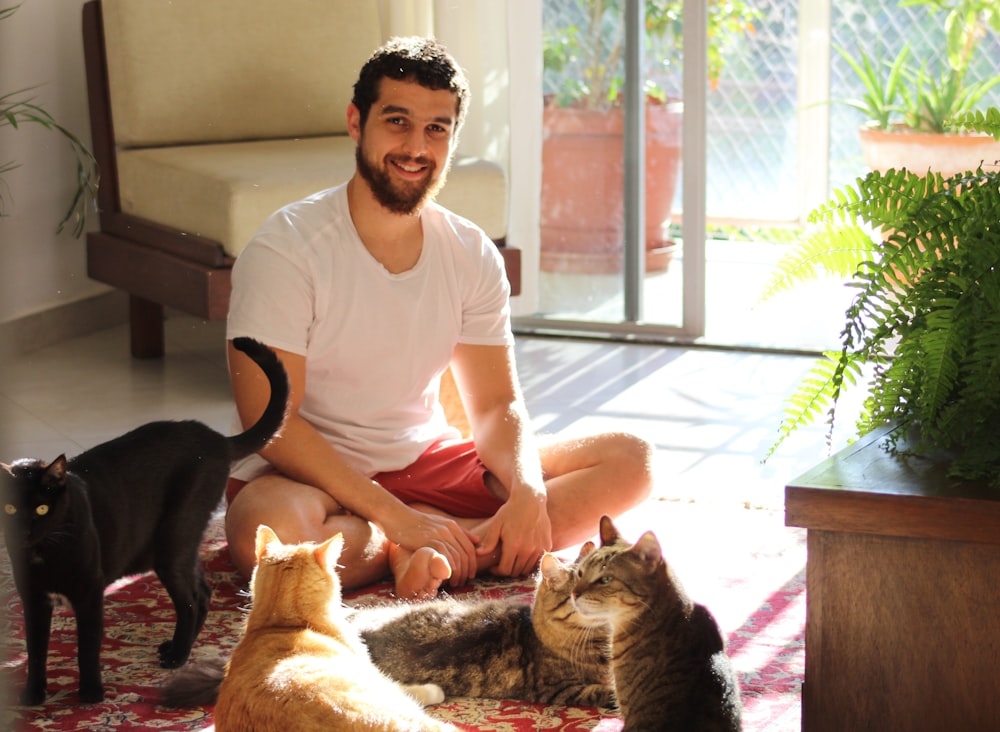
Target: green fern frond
818,393
814,258
987,121
926,311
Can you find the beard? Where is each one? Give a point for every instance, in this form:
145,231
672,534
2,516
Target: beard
398,196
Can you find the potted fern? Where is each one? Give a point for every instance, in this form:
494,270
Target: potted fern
582,148
925,321
19,108
907,102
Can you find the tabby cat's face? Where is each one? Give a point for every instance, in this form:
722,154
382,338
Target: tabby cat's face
31,494
617,581
553,602
609,589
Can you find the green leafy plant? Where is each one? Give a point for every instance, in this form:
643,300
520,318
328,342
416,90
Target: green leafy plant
584,56
926,317
900,93
20,107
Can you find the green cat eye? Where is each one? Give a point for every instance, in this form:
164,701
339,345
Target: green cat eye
607,579
10,509
42,510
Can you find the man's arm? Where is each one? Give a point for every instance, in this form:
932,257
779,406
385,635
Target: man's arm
487,380
304,455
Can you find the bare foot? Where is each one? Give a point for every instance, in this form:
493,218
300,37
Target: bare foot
418,574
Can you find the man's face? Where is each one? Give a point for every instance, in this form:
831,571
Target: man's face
405,148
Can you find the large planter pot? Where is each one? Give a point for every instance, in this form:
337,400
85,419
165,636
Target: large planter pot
582,225
919,152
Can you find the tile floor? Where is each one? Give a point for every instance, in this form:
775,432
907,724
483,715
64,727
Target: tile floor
736,274
711,414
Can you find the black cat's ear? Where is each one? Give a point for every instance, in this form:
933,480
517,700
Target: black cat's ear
55,473
609,534
648,550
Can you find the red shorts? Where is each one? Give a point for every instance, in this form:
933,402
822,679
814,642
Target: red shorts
448,476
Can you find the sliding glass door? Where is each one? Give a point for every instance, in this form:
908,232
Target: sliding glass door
613,253
682,147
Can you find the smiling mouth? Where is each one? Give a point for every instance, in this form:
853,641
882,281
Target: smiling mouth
409,167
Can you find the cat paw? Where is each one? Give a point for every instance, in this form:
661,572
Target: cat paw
169,655
91,693
31,696
600,697
425,694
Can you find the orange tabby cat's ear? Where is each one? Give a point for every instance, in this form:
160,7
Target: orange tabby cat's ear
648,549
265,536
609,534
328,552
587,548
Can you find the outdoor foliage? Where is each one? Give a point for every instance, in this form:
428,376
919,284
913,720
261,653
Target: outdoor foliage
906,92
585,52
926,316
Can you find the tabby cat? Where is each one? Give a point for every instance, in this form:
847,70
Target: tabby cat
300,665
669,663
138,502
496,649
499,649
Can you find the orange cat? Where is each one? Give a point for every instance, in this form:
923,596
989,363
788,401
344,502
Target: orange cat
300,666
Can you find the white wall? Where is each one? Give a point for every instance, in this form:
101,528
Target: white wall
524,44
40,45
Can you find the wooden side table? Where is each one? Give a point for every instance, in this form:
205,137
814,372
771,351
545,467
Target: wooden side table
903,594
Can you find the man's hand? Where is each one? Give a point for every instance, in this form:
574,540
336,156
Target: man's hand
521,530
416,529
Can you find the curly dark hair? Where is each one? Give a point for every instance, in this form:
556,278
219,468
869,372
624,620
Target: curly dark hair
415,58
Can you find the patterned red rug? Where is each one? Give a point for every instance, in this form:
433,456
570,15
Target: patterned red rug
743,564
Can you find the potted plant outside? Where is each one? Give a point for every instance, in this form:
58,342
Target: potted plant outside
18,108
926,317
906,102
582,149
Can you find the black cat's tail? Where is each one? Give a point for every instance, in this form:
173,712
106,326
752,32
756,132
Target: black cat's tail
194,685
270,422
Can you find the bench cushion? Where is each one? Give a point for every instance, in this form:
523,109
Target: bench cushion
191,71
226,191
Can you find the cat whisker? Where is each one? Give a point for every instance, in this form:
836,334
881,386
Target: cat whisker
248,597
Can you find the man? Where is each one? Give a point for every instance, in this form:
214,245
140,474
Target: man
367,292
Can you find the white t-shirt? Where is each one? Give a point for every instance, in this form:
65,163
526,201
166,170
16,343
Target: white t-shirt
376,343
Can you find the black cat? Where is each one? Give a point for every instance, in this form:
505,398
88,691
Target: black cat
138,502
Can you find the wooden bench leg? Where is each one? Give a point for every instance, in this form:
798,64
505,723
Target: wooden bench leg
145,328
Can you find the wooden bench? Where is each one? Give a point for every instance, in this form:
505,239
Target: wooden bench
208,116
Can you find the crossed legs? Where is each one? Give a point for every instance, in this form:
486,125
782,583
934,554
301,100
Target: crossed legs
585,478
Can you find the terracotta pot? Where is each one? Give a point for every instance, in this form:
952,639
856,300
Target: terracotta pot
919,152
582,227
